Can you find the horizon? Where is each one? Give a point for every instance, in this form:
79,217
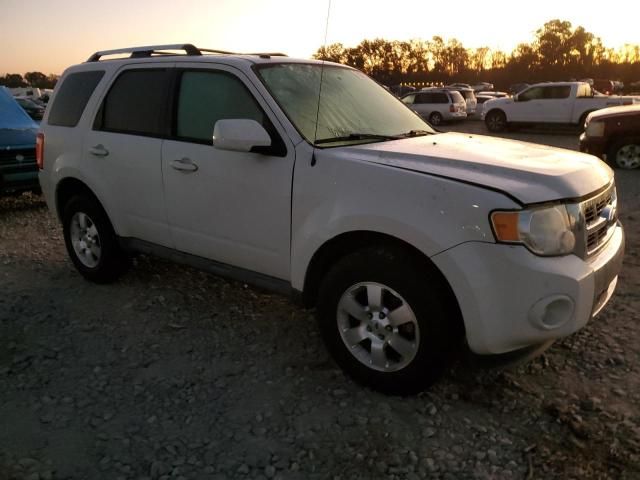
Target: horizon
295,28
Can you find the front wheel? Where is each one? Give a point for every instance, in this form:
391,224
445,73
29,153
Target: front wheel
91,241
625,154
496,121
387,322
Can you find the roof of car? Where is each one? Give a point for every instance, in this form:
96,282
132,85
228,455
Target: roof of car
188,53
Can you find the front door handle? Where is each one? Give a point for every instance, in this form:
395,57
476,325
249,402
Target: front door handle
99,150
184,165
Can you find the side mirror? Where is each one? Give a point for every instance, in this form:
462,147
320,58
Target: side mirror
239,135
515,98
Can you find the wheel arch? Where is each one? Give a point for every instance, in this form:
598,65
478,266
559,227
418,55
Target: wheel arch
583,118
69,187
345,243
497,110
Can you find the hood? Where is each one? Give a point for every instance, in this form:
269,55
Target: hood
529,172
615,111
10,138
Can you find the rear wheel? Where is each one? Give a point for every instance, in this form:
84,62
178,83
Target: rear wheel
91,241
496,121
625,154
386,321
435,118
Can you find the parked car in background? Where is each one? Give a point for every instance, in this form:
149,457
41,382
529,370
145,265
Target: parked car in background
460,85
34,110
493,94
548,103
437,105
482,87
613,134
481,98
400,90
469,98
18,169
517,87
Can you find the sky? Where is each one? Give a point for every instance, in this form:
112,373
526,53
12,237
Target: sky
49,35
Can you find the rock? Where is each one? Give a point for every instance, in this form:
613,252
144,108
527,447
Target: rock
157,469
270,471
428,432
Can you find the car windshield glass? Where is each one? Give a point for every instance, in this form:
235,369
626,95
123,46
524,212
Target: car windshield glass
351,108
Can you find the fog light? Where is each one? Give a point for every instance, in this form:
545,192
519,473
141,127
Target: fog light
551,312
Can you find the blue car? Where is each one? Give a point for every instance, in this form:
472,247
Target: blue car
18,169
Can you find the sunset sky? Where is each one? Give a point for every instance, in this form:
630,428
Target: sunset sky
48,35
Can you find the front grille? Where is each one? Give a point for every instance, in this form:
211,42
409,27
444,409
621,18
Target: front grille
600,216
19,155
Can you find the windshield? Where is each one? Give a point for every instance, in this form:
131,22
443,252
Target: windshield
352,106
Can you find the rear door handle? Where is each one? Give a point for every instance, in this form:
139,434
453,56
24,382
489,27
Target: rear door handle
99,150
184,165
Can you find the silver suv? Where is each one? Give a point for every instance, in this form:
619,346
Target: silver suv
437,105
310,179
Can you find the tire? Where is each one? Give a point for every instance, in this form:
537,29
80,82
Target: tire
353,302
91,241
496,121
625,154
435,118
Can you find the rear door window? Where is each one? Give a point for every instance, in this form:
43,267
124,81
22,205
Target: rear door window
441,97
137,103
72,97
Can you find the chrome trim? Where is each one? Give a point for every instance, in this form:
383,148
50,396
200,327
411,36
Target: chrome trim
595,221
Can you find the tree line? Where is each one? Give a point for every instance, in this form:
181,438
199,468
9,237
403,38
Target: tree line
30,79
558,52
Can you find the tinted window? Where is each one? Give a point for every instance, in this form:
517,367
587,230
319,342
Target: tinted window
557,91
72,98
206,97
424,98
136,103
533,93
441,97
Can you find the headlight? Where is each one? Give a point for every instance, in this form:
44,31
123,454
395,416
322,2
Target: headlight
546,231
594,129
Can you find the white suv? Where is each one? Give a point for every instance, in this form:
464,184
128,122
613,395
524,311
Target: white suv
437,105
309,178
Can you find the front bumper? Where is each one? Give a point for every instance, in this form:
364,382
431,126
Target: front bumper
18,176
594,146
512,299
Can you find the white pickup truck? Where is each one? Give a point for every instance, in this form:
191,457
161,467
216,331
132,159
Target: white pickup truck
551,103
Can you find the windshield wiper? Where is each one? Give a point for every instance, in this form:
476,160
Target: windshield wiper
358,136
416,133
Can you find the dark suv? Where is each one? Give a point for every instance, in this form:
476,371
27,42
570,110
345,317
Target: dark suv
18,170
614,135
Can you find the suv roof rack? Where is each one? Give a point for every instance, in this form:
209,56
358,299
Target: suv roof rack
189,49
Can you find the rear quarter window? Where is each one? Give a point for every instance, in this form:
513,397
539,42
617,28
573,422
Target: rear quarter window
72,97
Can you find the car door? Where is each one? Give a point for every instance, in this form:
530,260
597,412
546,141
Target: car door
122,151
559,103
529,106
228,206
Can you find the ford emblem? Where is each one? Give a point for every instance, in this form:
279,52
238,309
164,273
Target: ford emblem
19,157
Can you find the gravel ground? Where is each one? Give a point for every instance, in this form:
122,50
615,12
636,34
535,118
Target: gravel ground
174,373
